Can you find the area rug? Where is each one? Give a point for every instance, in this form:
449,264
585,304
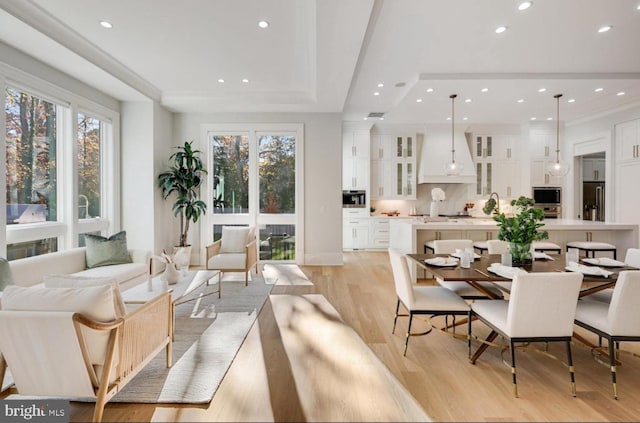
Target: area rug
284,274
209,333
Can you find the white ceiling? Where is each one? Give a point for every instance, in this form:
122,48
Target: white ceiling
330,55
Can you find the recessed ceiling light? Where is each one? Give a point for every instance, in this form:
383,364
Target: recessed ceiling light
541,90
381,118
245,80
376,93
465,118
449,118
620,93
534,118
638,7
571,100
501,29
484,90
221,81
106,24
599,90
419,100
263,24
380,85
549,118
605,28
525,5
467,100
365,118
521,100
429,90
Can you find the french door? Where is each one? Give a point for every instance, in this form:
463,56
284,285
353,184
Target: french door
255,179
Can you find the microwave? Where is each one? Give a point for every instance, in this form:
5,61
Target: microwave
357,199
547,195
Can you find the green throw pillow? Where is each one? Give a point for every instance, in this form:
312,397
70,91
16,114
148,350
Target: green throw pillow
6,277
103,251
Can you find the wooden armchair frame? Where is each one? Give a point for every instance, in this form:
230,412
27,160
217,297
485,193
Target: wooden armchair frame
140,336
251,259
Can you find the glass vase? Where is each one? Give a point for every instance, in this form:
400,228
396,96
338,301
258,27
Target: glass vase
521,254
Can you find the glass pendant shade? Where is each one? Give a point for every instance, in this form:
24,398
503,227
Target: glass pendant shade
557,168
453,168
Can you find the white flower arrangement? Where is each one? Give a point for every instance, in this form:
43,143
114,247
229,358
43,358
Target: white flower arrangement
437,194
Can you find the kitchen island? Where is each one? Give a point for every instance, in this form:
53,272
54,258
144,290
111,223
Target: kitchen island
409,236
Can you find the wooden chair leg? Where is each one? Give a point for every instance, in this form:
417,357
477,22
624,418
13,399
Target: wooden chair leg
572,375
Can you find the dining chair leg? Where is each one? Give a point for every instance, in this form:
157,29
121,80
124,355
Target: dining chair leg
513,368
612,363
395,319
406,341
572,375
469,337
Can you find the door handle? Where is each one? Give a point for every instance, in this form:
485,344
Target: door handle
546,151
508,153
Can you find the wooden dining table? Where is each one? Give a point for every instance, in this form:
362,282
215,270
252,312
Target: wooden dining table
477,272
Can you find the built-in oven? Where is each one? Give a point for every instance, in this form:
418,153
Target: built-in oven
357,199
549,199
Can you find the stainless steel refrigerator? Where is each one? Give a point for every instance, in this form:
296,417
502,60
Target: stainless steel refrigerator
593,201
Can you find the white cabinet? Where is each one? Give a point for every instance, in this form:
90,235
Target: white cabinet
627,204
382,147
627,140
593,169
405,179
379,233
355,159
381,184
542,143
492,147
507,178
404,146
540,177
355,233
484,178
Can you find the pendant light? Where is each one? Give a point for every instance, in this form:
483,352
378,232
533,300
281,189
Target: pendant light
557,167
453,168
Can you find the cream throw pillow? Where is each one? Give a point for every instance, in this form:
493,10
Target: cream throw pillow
234,239
72,281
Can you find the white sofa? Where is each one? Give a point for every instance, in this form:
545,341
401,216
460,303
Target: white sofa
31,271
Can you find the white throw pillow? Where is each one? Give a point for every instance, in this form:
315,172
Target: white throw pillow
73,281
234,239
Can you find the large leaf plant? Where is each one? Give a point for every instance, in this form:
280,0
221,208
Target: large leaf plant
183,179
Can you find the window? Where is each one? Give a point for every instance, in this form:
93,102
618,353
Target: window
89,134
256,180
31,144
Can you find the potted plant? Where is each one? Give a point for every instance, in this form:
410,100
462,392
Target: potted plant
521,229
183,179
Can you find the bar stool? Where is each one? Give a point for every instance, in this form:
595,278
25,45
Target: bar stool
592,247
545,246
429,246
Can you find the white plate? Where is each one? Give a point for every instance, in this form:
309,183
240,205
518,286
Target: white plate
505,271
442,261
604,261
457,255
589,270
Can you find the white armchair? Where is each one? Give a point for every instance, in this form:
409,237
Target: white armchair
84,348
235,251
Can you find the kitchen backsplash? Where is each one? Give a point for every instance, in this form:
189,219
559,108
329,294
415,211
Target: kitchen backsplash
456,196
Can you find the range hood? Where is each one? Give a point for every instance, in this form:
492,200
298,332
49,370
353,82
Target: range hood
436,152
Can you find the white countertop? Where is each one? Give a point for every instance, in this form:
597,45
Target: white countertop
484,224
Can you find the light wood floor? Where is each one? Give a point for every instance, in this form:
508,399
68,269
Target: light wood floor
260,387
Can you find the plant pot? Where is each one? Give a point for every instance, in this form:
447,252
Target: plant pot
182,257
521,254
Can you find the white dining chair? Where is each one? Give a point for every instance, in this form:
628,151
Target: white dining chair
433,300
497,246
632,258
616,321
462,288
548,318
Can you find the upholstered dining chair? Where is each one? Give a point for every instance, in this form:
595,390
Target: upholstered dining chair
496,246
632,258
520,319
463,289
617,321
433,300
235,251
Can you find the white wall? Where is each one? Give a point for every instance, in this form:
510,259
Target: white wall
323,174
